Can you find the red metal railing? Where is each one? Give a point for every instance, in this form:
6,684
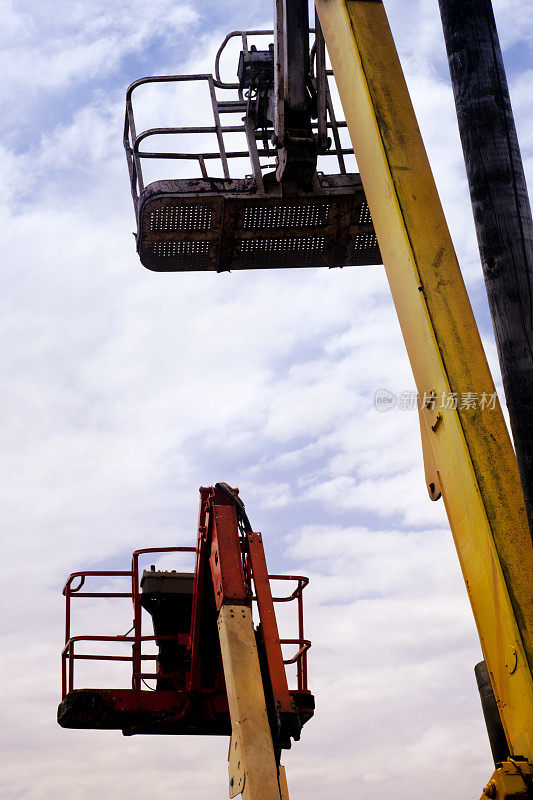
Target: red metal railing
300,658
69,655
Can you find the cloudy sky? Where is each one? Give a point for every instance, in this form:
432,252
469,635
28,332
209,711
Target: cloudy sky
125,390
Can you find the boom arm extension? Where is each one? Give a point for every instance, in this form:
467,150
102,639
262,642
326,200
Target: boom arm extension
475,464
254,768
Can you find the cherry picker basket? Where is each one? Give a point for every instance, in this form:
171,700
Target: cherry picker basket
184,692
242,221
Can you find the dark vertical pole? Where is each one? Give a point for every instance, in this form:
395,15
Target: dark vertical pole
501,207
497,740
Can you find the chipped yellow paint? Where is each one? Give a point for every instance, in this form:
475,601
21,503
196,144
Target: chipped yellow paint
250,730
473,456
509,781
283,788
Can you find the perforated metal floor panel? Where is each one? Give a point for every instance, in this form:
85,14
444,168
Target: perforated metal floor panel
216,224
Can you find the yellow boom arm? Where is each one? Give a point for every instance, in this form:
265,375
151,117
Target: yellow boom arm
469,449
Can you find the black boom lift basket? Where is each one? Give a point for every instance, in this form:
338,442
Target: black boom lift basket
284,212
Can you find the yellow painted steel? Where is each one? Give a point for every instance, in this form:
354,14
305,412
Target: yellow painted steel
251,739
509,781
283,788
475,463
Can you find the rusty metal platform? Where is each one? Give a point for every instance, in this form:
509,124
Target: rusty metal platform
224,208
219,224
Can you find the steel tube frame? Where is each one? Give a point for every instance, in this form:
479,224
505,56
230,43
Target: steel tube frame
132,140
69,654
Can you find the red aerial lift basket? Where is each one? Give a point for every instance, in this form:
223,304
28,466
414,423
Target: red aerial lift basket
189,696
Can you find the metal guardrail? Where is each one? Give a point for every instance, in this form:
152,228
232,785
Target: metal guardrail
256,155
72,590
68,654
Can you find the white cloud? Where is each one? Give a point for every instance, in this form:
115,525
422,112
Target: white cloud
125,390
50,47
